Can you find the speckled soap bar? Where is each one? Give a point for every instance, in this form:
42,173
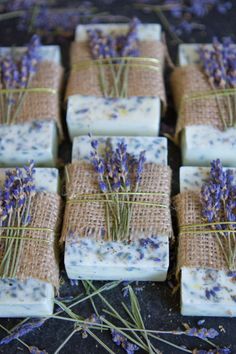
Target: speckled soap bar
143,259
50,53
36,140
20,143
132,116
30,297
205,292
201,144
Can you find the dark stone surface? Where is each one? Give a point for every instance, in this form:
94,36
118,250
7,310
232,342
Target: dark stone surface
159,307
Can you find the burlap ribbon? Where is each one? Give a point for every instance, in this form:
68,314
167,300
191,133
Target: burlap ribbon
43,105
142,81
39,256
194,98
196,250
88,219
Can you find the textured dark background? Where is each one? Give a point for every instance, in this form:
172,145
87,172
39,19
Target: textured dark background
160,308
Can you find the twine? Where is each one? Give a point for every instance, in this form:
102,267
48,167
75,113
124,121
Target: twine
205,95
38,258
198,245
25,228
144,76
90,220
84,64
29,90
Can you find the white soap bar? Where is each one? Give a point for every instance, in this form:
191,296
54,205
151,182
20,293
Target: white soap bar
30,297
205,292
36,140
137,116
145,32
20,143
200,144
155,148
46,52
143,259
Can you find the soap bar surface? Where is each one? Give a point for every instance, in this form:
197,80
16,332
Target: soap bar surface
205,292
138,116
30,297
113,116
200,144
50,53
145,32
155,148
146,258
20,143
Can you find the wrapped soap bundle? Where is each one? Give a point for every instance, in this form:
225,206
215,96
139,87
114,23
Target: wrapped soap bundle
29,221
30,83
116,81
117,221
204,88
207,240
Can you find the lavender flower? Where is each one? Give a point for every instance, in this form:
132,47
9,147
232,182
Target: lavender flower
219,66
218,200
109,46
116,179
21,331
202,333
35,350
15,201
17,74
120,340
212,351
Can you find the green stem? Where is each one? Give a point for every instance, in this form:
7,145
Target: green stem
66,341
10,15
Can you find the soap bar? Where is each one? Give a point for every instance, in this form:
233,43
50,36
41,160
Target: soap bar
155,148
134,115
50,53
205,292
30,297
200,144
34,139
146,258
108,116
20,143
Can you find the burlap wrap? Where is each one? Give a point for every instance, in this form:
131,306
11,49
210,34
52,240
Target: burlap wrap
189,80
43,105
141,81
88,219
39,259
196,250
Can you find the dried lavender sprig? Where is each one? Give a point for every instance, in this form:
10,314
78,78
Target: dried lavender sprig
22,331
17,74
219,67
114,179
108,47
15,204
218,200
